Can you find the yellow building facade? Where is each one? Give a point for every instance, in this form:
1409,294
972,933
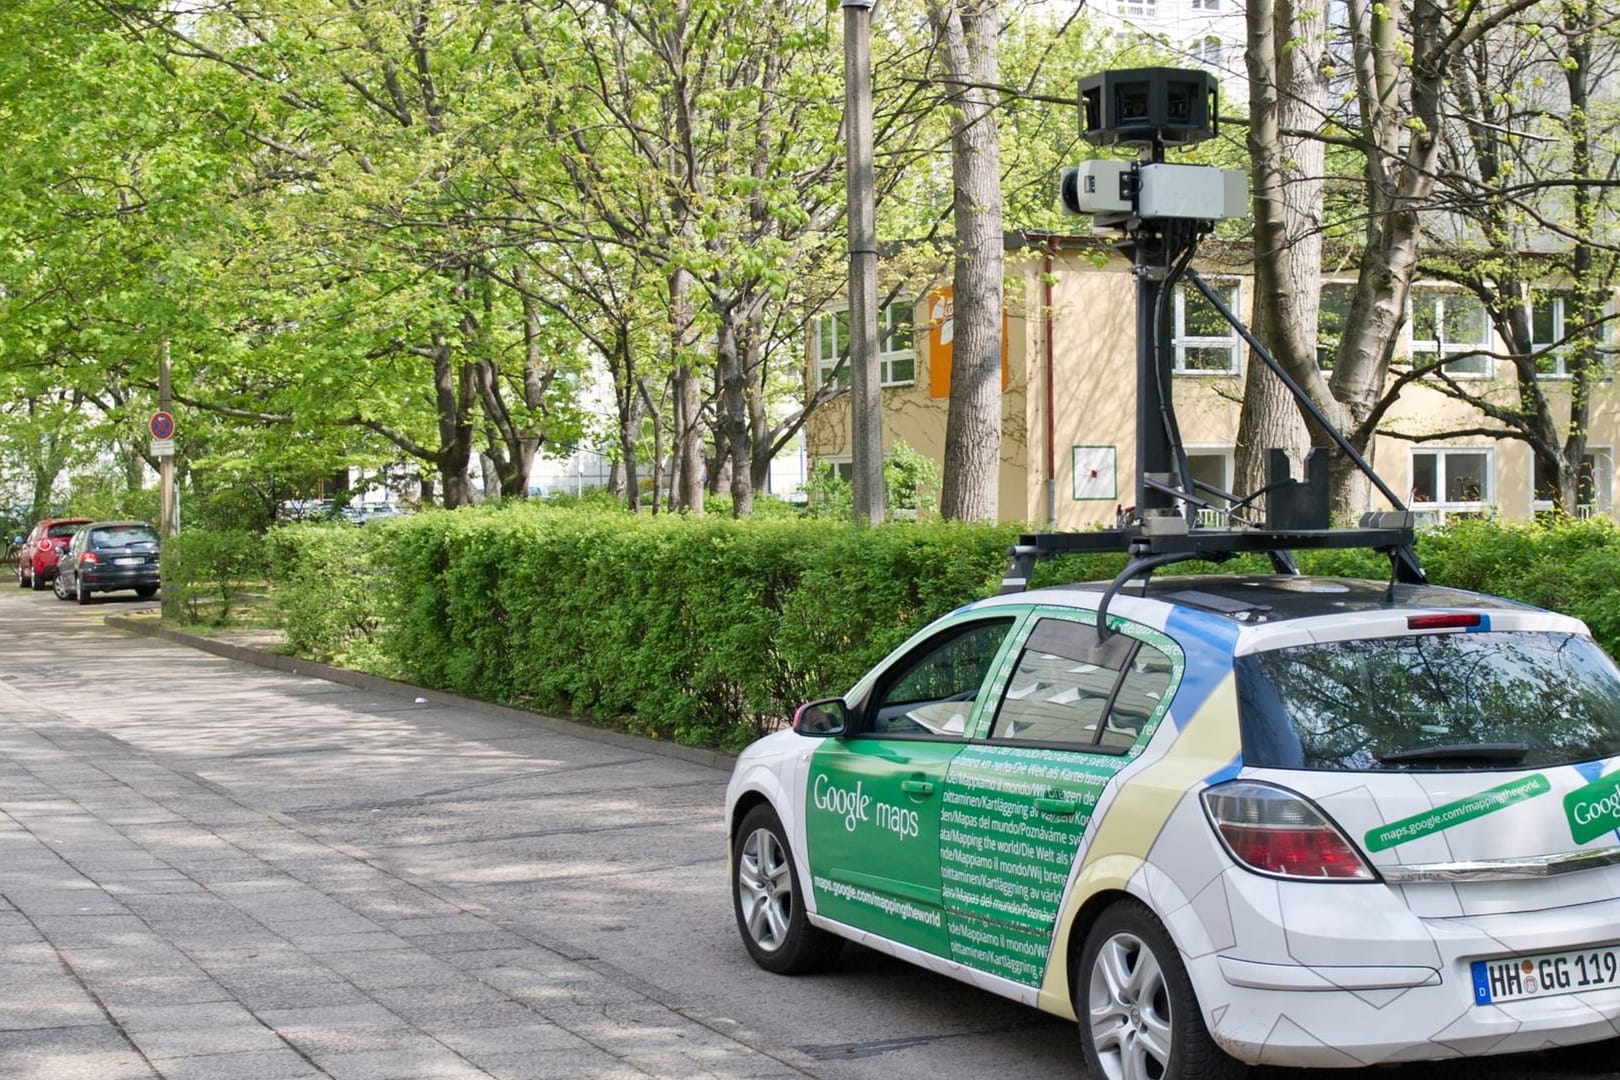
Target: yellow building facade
1068,451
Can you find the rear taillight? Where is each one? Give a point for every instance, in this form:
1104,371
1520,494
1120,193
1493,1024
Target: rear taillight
45,545
1272,830
87,557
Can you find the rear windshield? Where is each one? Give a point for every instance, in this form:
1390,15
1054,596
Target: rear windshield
124,536
1488,700
63,530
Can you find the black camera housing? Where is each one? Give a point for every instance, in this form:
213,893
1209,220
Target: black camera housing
1151,106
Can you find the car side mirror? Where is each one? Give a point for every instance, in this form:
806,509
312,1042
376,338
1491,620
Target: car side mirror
821,719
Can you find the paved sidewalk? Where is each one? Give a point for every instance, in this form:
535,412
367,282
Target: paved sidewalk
153,926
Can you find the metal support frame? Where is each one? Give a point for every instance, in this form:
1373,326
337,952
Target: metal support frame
1162,528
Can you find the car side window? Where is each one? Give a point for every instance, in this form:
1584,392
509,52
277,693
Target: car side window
1140,692
932,691
1071,687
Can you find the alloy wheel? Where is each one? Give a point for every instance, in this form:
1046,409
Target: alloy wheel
765,889
1129,1010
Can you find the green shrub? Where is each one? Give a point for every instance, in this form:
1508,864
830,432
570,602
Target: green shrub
325,588
709,630
203,571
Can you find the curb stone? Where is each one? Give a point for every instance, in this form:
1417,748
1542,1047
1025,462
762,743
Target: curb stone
296,665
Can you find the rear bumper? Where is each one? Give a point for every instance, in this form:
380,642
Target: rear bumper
110,578
1345,975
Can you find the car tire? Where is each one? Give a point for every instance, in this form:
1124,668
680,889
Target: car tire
146,592
35,584
59,587
767,899
82,591
1138,1014
22,582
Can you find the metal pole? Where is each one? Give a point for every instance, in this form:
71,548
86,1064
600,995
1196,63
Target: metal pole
168,517
866,388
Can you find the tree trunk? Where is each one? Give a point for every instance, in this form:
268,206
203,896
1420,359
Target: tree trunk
658,442
1287,93
967,32
734,421
454,391
689,432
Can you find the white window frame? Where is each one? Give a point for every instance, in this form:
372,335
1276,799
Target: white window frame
827,359
1556,355
1231,342
1436,509
1206,5
1559,355
1137,9
889,353
888,357
1602,484
1421,349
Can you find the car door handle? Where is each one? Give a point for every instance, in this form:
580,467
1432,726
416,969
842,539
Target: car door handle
1055,806
917,787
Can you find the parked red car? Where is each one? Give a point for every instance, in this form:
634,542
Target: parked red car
36,558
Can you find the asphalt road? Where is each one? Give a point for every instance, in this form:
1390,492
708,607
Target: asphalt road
210,869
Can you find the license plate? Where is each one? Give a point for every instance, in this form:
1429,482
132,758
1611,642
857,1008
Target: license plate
129,562
1515,978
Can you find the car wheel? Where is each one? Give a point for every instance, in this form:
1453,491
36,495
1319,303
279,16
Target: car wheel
146,592
35,584
82,591
59,587
766,896
1138,1015
22,582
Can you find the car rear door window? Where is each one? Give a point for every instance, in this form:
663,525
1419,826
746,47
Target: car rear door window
1073,688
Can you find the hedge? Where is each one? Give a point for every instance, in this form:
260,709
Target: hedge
709,630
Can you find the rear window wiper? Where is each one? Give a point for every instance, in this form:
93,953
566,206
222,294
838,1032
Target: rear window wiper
1505,752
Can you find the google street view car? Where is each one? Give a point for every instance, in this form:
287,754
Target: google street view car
1218,820
1280,820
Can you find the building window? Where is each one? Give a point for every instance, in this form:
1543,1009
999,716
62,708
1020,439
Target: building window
1137,9
1450,324
1331,320
1206,51
1549,334
1594,484
832,339
1451,481
1205,342
1206,5
897,358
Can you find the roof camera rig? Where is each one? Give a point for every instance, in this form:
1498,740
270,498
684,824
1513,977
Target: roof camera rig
1164,209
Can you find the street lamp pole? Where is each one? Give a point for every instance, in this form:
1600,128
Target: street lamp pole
866,397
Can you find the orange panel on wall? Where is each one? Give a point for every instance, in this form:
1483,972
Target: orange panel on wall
939,305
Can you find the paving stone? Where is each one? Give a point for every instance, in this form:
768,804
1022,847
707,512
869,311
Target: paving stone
71,1053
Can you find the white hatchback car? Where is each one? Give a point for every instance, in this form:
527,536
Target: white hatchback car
1267,820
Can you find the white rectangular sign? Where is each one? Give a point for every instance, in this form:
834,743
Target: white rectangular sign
163,448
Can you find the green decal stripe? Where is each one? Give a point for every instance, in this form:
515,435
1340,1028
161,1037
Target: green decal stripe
1594,809
1455,813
